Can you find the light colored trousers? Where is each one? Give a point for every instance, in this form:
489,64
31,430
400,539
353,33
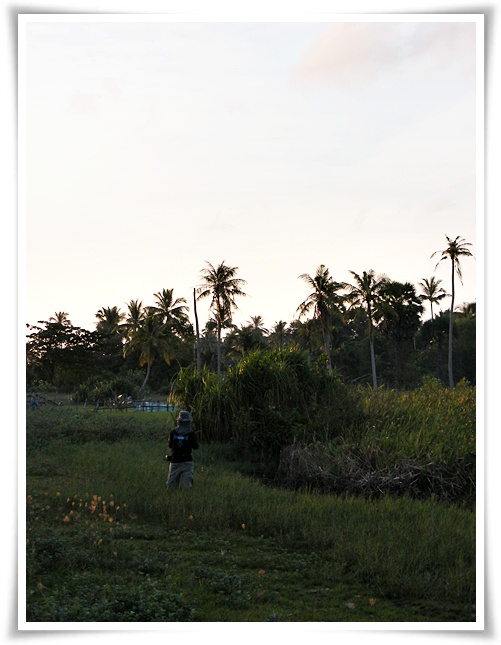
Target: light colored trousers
184,471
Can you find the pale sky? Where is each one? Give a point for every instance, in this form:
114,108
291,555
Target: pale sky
153,147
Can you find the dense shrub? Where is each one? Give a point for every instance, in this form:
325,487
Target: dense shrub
266,401
345,439
103,388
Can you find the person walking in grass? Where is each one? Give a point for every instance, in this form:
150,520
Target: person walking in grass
182,440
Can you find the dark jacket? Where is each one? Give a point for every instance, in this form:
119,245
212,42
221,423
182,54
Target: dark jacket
182,441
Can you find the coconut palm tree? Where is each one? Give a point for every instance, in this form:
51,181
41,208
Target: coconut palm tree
397,315
171,312
242,340
257,323
364,293
133,318
278,334
301,335
109,319
455,249
223,287
259,331
152,339
432,292
324,301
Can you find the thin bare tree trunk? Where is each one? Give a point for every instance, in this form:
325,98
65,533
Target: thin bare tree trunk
371,343
218,347
197,328
373,363
451,332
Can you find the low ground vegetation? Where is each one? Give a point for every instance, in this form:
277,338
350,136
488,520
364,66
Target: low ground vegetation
302,528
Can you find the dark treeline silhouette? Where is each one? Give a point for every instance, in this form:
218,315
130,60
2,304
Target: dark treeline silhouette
370,331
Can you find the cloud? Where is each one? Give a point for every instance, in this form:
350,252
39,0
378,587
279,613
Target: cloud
348,53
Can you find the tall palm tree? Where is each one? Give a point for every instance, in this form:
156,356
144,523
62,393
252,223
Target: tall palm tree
151,340
364,293
301,334
133,318
432,292
455,249
241,340
257,323
223,287
324,301
171,312
398,317
109,319
279,334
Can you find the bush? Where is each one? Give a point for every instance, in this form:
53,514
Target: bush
267,401
419,443
105,387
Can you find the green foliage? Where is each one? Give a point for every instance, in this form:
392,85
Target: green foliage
78,600
316,431
79,425
231,548
419,443
207,397
267,400
105,387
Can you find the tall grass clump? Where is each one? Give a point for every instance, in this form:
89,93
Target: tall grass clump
267,401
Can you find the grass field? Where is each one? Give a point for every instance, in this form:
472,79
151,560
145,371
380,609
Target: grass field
106,542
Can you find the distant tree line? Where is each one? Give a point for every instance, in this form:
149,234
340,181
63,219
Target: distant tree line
369,331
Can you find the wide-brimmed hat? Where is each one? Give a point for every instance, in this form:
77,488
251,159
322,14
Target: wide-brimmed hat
184,417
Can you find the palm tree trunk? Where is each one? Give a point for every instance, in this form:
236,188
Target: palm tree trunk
373,364
451,331
197,328
218,347
371,343
148,369
327,345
